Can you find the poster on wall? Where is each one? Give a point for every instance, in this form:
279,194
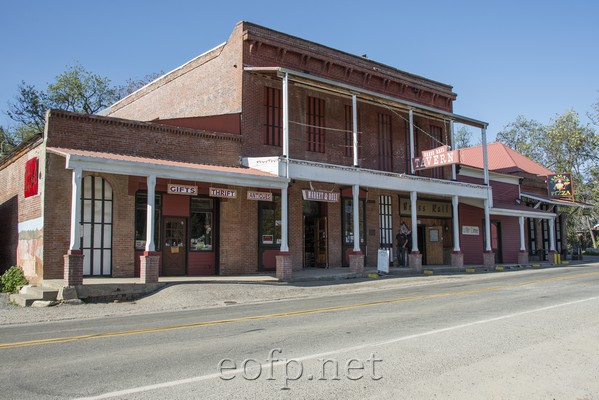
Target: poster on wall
560,185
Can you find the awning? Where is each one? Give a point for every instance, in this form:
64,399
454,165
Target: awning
142,166
558,202
520,210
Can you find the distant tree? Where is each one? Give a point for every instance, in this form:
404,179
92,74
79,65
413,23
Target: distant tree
522,135
462,137
76,90
132,85
7,141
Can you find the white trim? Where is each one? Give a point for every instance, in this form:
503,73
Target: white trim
522,213
557,203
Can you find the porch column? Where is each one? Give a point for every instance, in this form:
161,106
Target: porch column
286,115
356,259
485,155
284,269
488,256
411,114
457,258
354,103
73,260
553,254
149,265
414,258
523,254
453,147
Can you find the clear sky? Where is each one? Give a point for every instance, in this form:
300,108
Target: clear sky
503,58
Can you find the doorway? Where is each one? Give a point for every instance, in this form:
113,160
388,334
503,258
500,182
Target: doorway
316,252
434,245
496,241
174,251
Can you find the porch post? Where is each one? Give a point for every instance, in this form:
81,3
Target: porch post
488,255
73,260
411,114
414,258
286,115
453,147
485,155
356,259
554,256
149,265
284,268
457,258
354,103
523,254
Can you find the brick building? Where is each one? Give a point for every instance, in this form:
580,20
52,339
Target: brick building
268,152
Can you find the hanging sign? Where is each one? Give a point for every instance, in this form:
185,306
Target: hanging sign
560,185
31,181
436,158
259,196
172,188
226,193
317,195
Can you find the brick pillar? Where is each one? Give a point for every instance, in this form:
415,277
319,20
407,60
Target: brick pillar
284,266
149,267
73,268
415,261
523,257
489,259
356,262
457,259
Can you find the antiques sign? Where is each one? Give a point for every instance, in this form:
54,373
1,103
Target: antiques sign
317,195
436,158
426,208
560,185
259,196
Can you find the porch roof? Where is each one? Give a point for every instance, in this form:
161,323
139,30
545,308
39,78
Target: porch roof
122,164
557,202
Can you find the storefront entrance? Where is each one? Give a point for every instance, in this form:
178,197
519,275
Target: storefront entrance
315,235
434,245
174,250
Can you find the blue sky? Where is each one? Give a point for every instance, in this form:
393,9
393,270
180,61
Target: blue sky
504,59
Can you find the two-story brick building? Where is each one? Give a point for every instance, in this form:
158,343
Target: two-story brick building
266,152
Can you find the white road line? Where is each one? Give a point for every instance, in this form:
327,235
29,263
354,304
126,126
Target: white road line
201,378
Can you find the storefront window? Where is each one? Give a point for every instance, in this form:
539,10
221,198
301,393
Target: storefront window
141,206
201,224
348,222
270,222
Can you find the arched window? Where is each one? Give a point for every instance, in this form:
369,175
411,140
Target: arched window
96,220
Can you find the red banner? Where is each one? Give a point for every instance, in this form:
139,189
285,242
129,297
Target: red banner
31,182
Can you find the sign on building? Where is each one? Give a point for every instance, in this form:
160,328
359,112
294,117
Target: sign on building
438,157
172,188
259,196
426,208
224,193
317,195
560,185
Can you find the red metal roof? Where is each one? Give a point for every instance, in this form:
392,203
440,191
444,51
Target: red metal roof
501,159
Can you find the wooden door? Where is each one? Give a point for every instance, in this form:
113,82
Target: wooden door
321,248
434,245
174,251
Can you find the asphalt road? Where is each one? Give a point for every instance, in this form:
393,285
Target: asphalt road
519,335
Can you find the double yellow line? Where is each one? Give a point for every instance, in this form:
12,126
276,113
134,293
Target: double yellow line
279,315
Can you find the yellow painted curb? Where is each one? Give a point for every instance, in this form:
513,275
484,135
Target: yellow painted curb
565,262
375,276
536,265
428,272
471,270
499,268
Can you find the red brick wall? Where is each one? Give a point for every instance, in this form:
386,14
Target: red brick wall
15,209
93,133
472,246
57,220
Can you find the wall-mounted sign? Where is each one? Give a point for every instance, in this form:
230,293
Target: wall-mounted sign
470,230
436,158
560,185
259,196
426,208
317,195
31,182
172,188
226,193
267,239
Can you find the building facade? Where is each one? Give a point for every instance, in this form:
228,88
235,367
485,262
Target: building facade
268,152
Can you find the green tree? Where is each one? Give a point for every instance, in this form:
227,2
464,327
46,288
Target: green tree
462,137
76,90
523,135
